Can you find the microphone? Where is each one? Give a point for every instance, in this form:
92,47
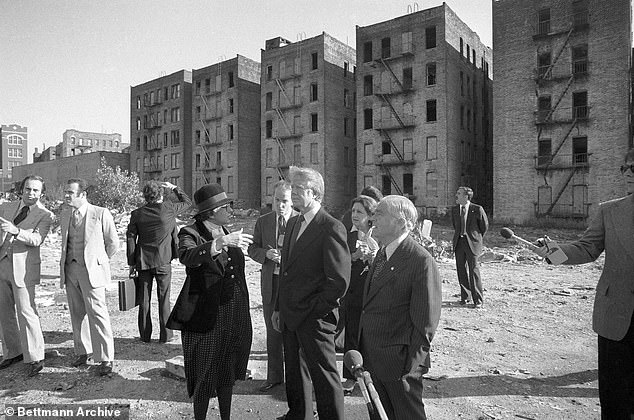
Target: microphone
354,361
508,234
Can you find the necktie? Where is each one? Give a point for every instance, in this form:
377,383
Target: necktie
379,263
295,232
463,222
76,217
281,230
24,211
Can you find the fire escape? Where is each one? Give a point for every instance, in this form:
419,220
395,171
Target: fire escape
550,160
152,123
207,116
396,122
293,102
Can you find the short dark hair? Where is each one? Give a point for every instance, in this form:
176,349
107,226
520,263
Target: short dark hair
152,191
32,178
373,192
81,184
368,203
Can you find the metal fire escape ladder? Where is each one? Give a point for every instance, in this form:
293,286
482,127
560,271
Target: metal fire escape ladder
398,118
398,189
549,70
387,66
281,117
396,151
281,87
281,147
561,191
552,109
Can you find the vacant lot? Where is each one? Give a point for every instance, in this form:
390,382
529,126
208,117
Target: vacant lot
529,354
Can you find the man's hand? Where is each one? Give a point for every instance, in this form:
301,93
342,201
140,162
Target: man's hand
132,272
7,226
274,255
169,185
275,320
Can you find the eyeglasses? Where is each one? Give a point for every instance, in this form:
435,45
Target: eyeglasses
624,168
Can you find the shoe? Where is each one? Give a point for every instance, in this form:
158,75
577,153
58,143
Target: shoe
268,386
8,362
465,302
283,417
35,367
105,368
477,305
169,339
81,360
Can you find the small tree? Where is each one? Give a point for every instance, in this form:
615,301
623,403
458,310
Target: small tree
115,189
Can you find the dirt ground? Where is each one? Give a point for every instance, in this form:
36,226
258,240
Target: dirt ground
529,354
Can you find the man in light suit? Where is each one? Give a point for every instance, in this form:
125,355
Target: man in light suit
470,224
24,225
612,230
401,311
268,239
89,240
151,245
315,273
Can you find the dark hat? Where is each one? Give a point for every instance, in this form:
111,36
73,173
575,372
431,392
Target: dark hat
209,197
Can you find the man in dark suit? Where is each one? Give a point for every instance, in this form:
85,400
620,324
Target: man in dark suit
401,311
151,243
315,273
268,239
470,224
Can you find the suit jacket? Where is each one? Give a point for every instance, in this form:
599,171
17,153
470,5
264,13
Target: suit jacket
152,233
316,274
611,230
401,311
477,225
101,242
210,280
265,238
24,249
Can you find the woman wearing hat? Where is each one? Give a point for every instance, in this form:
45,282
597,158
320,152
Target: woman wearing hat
212,310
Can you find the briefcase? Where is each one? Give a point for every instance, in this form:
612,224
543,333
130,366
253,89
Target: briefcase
129,293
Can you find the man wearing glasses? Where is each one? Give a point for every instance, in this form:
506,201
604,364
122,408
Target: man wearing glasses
314,275
612,230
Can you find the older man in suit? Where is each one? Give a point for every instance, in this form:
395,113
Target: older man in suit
89,240
315,273
24,225
151,246
470,224
268,239
612,230
401,311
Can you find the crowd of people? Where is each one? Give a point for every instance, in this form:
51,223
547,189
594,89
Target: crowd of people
361,283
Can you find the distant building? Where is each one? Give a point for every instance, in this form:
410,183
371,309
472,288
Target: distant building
562,108
13,152
226,129
56,172
161,129
424,109
308,115
49,153
76,142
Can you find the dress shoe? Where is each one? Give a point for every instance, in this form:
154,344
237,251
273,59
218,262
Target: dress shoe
348,386
35,367
105,368
8,362
283,417
464,302
268,386
477,305
81,360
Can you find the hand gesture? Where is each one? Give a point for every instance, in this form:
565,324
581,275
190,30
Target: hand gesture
274,255
169,185
7,226
236,239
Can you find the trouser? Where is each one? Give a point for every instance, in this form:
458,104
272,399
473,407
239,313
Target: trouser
616,377
163,276
92,331
22,333
470,284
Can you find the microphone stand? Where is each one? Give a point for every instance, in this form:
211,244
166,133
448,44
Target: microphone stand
374,395
364,391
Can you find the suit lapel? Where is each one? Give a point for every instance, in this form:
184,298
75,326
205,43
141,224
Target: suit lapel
9,214
383,278
88,222
309,234
622,217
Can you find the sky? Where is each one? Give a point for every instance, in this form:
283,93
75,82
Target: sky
70,63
